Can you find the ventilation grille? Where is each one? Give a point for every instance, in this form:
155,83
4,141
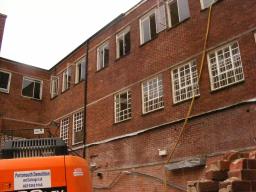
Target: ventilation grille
34,148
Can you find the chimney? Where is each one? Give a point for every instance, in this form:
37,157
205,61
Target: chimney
2,24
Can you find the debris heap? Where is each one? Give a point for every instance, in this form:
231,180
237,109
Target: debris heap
235,172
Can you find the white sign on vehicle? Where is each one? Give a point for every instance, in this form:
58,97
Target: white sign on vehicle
38,131
32,179
54,189
78,172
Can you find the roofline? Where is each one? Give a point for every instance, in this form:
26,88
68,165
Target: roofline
26,65
114,21
85,42
1,14
66,57
135,7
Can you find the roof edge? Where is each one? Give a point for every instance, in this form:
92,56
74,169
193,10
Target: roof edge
68,55
135,7
1,14
26,65
114,21
118,18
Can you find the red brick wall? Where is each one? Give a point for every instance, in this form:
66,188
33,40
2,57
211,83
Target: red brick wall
205,136
20,113
208,134
220,131
16,107
71,100
169,48
2,24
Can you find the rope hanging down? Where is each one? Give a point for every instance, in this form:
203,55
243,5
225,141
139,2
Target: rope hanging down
170,156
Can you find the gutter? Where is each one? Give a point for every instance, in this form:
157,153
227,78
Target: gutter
85,99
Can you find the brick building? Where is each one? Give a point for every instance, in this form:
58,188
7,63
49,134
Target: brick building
32,98
141,73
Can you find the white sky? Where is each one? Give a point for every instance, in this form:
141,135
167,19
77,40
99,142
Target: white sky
42,32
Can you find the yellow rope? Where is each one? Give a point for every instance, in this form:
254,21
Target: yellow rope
192,101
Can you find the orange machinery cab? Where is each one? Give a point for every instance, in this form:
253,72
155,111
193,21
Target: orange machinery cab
42,165
45,174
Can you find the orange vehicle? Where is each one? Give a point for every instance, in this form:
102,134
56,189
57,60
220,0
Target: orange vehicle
43,174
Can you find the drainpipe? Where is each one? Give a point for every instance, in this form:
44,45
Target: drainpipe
85,97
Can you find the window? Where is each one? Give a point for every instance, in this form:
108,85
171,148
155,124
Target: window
148,27
123,106
54,86
225,66
32,88
178,11
185,82
78,127
66,80
80,70
5,80
102,56
123,43
152,94
64,125
207,3
155,21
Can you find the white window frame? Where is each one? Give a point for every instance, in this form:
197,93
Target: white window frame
183,11
205,6
121,35
168,12
183,85
53,80
9,82
142,19
160,93
32,79
219,72
117,104
64,129
102,47
75,128
81,62
65,75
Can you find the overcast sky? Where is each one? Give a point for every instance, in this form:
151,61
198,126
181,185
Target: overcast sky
42,32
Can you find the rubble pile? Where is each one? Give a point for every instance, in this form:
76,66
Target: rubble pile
235,172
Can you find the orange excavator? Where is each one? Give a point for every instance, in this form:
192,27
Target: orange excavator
42,165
